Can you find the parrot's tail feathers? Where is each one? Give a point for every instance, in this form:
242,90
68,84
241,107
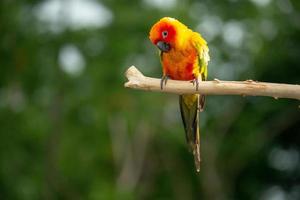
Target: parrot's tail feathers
202,102
196,151
197,157
189,109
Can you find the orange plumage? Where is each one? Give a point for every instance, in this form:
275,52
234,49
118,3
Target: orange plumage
184,56
187,48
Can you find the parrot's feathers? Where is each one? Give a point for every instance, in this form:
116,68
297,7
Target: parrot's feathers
186,58
202,102
203,58
189,109
189,117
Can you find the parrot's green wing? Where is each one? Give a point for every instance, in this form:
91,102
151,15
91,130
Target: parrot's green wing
203,58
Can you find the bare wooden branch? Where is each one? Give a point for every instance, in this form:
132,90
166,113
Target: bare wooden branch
137,80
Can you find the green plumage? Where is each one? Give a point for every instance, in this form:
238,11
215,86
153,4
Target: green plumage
189,109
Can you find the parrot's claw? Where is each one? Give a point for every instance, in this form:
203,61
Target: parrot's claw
196,81
163,81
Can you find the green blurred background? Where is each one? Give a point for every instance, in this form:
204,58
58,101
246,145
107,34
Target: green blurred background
70,130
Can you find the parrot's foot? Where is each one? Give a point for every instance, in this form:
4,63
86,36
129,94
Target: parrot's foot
196,81
163,81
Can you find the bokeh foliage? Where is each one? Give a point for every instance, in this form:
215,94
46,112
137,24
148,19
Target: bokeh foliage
77,133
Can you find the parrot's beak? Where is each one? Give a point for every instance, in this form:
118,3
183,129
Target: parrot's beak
163,46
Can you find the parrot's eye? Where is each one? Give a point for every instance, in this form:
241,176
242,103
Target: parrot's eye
164,34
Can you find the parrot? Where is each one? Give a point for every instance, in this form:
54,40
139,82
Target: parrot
184,55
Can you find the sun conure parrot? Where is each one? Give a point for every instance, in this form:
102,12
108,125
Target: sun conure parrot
184,56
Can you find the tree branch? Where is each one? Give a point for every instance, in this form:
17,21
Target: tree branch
137,80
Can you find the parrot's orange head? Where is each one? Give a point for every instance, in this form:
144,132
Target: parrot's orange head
165,33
